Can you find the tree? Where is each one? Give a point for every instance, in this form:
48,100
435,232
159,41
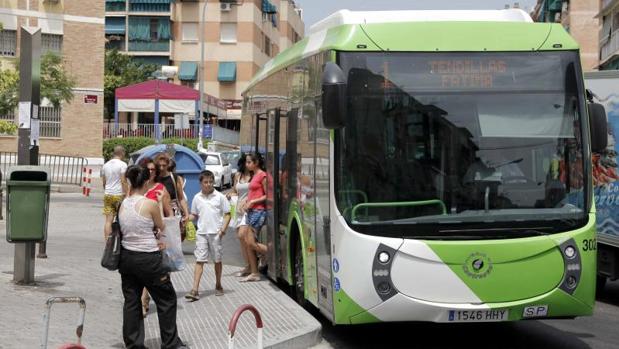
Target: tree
9,82
122,70
56,84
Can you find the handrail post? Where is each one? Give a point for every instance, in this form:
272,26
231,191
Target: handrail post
235,318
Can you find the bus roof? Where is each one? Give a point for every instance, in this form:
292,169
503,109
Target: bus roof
423,31
368,17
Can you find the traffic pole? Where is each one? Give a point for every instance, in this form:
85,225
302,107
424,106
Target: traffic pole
27,148
86,181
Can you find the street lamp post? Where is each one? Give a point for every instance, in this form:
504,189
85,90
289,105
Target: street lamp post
201,112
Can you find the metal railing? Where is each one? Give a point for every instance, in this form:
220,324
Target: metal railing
62,169
150,46
611,46
219,134
147,130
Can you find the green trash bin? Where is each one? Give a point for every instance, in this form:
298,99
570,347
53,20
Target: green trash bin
27,203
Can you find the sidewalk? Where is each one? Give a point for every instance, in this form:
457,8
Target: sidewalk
72,269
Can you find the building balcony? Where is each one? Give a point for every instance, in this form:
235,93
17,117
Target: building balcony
149,46
610,47
115,5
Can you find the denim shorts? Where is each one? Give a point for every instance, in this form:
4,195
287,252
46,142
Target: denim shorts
256,218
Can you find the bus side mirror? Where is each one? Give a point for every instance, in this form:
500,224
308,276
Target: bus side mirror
598,127
333,96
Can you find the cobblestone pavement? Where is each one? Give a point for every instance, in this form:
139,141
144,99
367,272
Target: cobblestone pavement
72,269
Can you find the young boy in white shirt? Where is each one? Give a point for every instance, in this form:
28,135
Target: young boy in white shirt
212,210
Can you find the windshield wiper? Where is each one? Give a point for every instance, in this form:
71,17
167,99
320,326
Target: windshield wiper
502,232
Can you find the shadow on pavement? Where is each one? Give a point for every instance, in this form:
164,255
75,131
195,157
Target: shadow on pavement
526,334
610,293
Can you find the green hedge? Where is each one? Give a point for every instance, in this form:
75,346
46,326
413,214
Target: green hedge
133,144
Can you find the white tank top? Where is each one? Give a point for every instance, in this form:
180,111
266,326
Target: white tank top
242,188
137,230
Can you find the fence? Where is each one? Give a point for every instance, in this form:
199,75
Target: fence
146,130
220,134
62,169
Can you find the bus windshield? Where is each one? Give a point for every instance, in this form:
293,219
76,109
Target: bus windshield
445,141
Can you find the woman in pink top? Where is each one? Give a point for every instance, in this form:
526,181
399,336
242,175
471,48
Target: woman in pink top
255,210
154,188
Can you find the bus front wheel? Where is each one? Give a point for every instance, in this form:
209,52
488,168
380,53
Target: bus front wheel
299,279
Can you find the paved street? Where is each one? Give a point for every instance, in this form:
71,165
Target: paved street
72,269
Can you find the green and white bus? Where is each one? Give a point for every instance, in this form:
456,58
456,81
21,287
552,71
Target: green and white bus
429,166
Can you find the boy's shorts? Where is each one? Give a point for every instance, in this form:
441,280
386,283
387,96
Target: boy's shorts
256,219
208,245
111,204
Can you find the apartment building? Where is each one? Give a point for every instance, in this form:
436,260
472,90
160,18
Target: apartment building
240,37
74,30
578,17
609,35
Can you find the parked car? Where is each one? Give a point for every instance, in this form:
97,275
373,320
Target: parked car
217,163
233,160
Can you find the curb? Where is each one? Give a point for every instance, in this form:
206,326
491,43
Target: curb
303,341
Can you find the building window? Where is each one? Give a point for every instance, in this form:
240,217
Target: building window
190,84
154,33
9,116
228,33
8,42
267,45
190,31
51,122
116,42
51,42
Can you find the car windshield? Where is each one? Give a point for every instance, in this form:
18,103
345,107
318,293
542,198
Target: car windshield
211,160
461,138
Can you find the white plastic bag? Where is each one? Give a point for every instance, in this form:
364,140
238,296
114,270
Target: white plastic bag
233,215
173,257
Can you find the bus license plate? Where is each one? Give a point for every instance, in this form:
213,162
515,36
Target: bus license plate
489,315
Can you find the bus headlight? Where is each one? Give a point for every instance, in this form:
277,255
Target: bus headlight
381,272
383,257
571,282
572,265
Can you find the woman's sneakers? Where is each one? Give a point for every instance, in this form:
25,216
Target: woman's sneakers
192,296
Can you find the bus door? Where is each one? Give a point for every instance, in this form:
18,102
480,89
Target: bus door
276,152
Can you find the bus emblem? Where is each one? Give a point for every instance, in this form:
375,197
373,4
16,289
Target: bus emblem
477,266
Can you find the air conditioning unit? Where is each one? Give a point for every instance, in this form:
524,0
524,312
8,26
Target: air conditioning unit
225,6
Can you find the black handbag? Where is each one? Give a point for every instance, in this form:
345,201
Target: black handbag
111,253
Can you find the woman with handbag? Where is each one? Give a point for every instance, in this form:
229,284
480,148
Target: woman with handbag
174,186
141,265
